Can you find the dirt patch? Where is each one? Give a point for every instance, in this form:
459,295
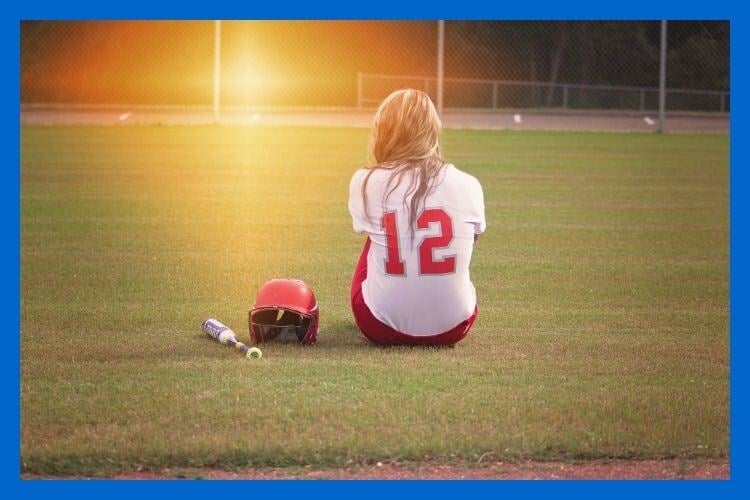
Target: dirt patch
609,469
348,117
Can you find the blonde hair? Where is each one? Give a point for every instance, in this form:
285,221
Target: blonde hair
405,139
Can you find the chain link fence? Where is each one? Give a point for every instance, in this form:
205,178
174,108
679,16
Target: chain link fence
550,65
587,65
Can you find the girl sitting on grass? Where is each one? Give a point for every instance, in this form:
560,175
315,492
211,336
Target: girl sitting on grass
422,216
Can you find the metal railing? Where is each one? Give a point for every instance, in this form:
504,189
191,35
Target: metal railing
565,96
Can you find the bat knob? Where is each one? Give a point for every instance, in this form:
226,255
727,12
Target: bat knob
254,352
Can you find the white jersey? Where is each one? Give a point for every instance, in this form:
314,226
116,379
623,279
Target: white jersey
421,285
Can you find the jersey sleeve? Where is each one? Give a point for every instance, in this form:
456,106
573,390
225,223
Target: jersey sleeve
356,208
476,202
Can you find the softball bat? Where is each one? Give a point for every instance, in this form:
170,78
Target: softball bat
222,334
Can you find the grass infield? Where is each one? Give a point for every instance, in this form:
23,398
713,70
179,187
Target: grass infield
602,283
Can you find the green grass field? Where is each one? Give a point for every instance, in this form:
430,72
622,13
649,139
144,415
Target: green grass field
602,283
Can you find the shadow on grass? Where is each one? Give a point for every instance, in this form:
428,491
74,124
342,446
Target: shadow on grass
348,334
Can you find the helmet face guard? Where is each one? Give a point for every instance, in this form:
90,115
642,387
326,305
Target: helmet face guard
286,310
282,325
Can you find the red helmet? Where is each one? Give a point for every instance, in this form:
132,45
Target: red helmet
284,309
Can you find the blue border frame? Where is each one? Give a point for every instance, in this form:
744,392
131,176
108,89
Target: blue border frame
388,9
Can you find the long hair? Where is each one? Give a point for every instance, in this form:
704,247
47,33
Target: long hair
405,139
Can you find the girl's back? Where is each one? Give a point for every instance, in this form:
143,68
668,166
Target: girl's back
418,278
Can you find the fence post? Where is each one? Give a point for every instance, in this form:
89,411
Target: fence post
494,94
662,76
642,99
217,69
565,97
359,90
440,51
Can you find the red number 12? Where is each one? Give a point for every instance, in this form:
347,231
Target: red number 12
427,263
